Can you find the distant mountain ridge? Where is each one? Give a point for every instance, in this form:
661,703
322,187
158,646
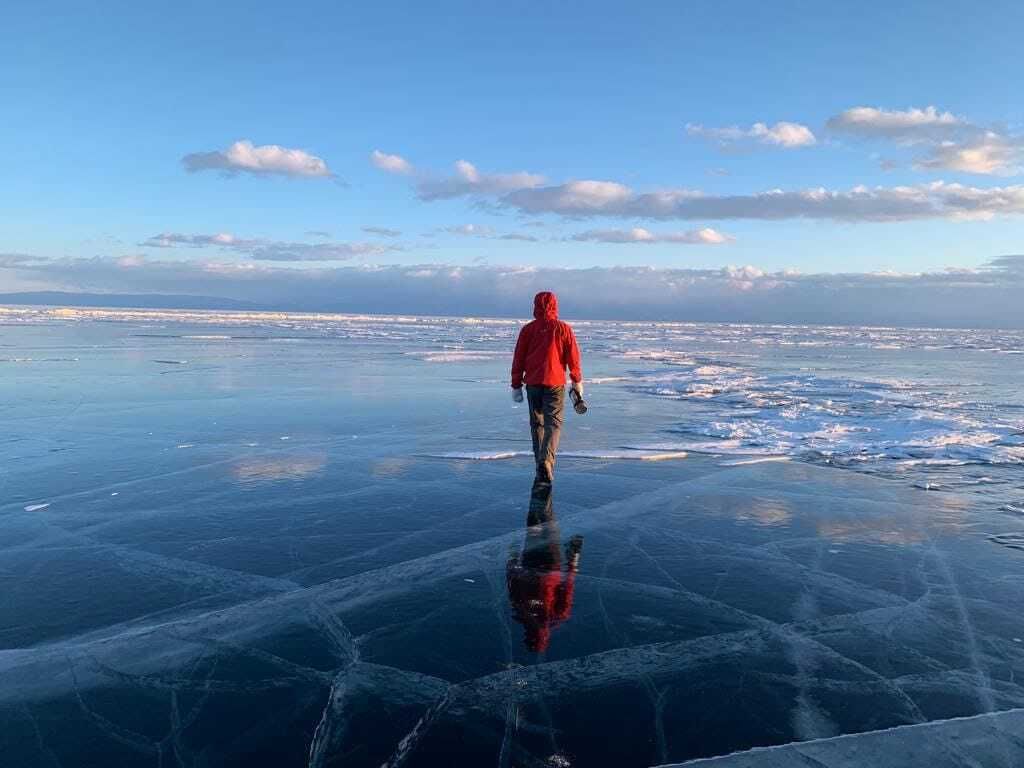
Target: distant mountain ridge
126,300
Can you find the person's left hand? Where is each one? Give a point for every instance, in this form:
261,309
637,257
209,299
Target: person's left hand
578,388
517,395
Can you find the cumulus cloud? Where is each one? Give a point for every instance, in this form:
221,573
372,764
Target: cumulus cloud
269,250
574,198
704,236
989,296
907,125
269,159
945,142
391,163
938,200
468,180
783,134
465,180
382,231
989,153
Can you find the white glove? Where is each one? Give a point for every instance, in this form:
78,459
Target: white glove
578,387
517,395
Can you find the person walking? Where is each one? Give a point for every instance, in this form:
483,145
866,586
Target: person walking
545,348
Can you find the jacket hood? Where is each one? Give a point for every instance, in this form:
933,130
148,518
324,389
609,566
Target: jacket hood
545,306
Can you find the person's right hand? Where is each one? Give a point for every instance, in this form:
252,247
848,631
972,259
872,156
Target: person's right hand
517,395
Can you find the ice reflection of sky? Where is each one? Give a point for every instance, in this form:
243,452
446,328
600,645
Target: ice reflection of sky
263,469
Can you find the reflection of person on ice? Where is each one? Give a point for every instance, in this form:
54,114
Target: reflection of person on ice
545,348
540,582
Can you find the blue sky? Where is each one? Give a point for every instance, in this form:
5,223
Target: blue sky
103,106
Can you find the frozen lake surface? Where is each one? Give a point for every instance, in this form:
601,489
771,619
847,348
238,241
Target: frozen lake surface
285,540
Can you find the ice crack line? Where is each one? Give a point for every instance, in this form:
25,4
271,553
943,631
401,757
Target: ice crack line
319,747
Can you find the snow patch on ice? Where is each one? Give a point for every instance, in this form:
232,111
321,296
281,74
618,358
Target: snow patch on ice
478,455
714,447
630,454
755,460
456,356
625,454
38,359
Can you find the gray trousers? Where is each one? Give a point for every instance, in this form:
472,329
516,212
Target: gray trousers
546,406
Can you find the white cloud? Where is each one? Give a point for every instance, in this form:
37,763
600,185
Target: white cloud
269,159
468,180
269,250
937,200
908,125
529,194
990,153
945,141
988,296
783,134
704,236
572,198
520,237
391,163
174,240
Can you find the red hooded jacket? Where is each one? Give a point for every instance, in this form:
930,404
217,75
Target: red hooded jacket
546,347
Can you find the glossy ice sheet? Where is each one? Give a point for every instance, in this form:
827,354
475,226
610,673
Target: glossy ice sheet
720,610
252,557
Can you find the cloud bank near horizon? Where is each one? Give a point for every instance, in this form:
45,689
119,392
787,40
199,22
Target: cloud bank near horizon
706,236
986,297
274,250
